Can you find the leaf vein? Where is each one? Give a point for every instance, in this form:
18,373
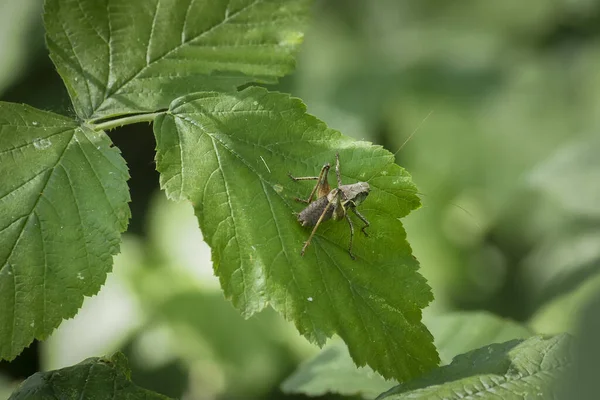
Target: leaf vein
45,272
110,53
91,25
98,179
36,203
78,208
233,220
28,144
216,26
81,71
148,61
185,20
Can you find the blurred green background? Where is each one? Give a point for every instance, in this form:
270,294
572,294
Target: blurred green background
503,99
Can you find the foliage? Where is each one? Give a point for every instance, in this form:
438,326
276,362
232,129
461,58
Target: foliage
511,370
94,378
504,106
456,333
226,152
139,56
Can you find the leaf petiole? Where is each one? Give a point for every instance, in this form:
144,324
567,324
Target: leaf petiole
132,119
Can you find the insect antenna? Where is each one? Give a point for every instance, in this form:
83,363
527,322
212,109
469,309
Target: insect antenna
414,132
423,194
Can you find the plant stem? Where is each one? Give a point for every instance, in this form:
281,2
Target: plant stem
115,123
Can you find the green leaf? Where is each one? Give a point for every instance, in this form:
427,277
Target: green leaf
94,378
229,154
63,204
512,370
561,314
561,263
566,177
332,369
119,57
458,332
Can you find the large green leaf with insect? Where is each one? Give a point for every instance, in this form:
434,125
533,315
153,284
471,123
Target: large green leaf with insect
63,204
119,57
230,154
95,378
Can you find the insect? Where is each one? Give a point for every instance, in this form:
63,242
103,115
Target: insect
332,203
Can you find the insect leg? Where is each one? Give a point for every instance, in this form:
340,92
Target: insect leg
322,177
363,219
351,236
315,228
337,169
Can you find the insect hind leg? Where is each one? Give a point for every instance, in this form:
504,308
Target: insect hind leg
351,236
321,185
363,219
315,228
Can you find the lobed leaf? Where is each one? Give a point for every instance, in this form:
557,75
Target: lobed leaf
511,370
229,154
63,204
119,57
94,378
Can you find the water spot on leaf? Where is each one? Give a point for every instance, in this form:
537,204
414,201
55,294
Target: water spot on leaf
42,144
292,38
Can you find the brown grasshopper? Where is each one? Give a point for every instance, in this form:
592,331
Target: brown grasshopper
332,203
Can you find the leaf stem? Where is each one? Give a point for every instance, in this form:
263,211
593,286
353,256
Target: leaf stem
116,123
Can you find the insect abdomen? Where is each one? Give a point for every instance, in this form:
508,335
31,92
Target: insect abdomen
310,215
